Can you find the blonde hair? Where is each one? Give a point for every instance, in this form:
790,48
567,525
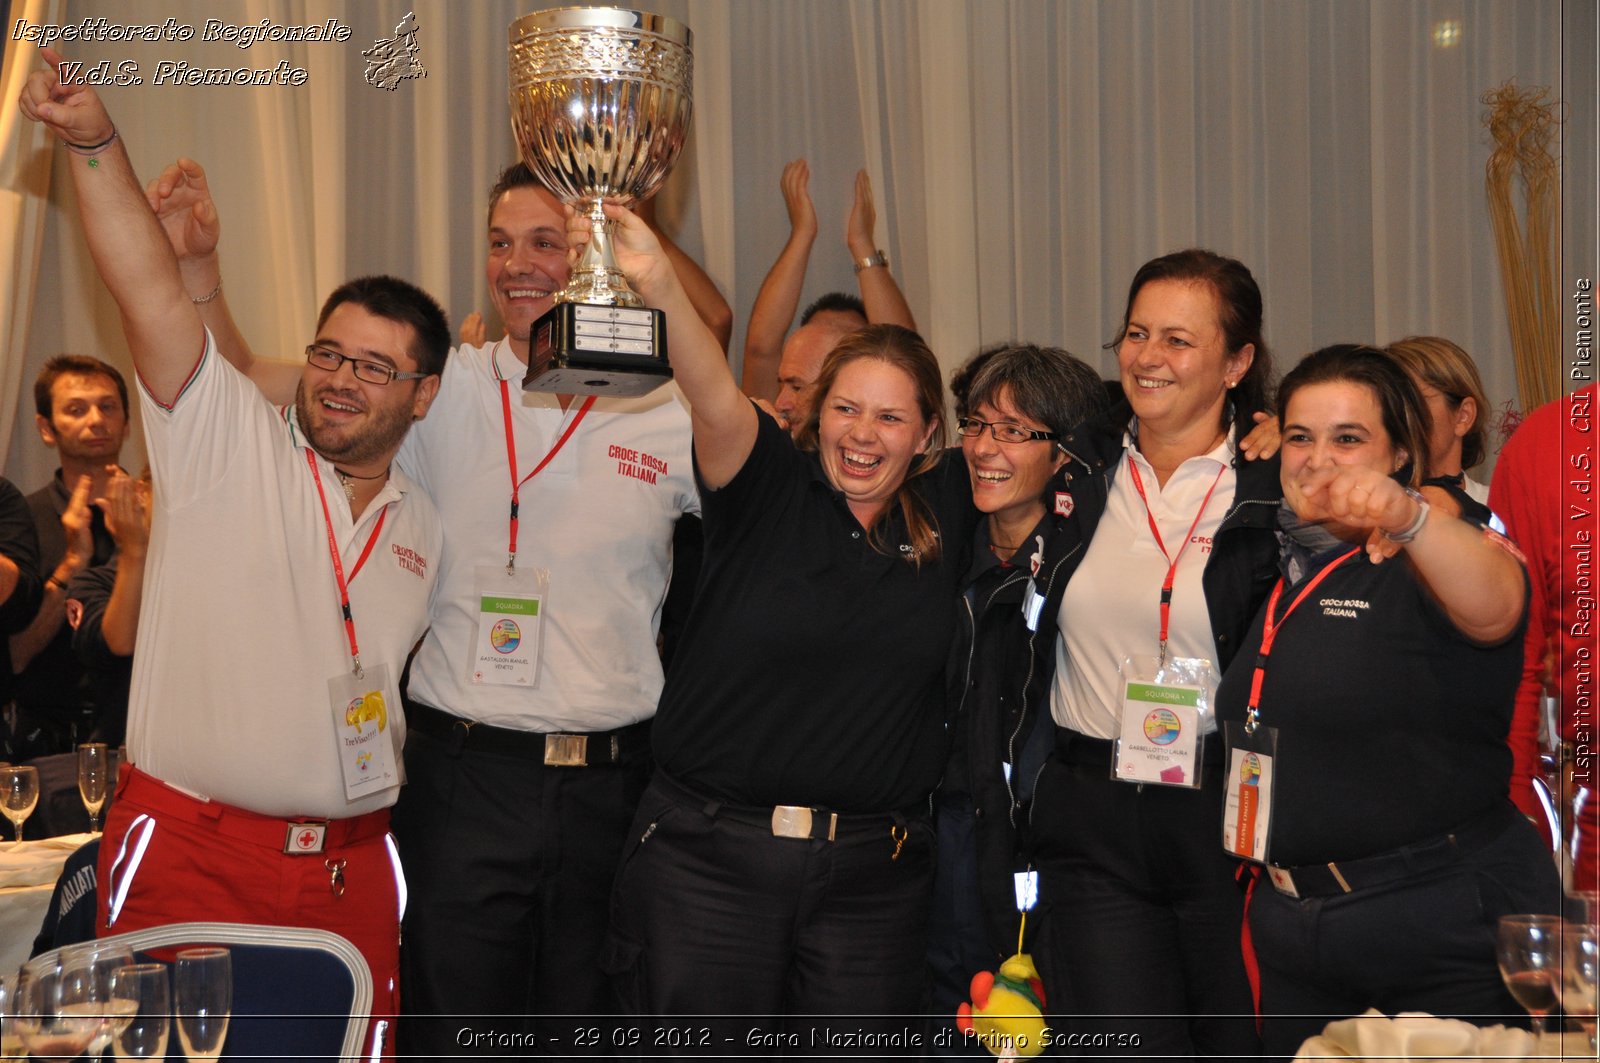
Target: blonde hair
904,350
1444,366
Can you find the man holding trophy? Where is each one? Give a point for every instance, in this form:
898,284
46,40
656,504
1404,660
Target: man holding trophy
530,698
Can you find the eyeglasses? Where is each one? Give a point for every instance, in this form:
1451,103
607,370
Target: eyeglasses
371,372
1003,431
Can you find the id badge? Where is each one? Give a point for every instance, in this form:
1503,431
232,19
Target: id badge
1247,793
365,722
505,651
1165,708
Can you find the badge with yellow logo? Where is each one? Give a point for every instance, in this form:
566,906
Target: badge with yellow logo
368,741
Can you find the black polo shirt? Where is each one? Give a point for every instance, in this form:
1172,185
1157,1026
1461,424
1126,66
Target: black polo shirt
811,669
1391,723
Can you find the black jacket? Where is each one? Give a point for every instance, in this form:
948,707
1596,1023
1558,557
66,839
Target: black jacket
1001,672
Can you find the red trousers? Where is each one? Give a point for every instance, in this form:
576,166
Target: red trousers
167,857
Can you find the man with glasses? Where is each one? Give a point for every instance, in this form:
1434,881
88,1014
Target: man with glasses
529,740
290,566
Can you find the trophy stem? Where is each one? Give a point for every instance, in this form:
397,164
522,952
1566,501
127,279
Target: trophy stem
596,279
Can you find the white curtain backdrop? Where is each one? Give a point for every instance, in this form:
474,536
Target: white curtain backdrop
1027,156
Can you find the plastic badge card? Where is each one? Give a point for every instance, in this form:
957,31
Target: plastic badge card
510,626
1163,712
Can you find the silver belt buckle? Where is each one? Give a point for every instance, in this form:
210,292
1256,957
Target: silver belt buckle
305,839
566,751
1282,881
795,821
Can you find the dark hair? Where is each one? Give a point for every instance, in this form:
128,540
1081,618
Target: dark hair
1238,313
905,350
73,365
836,302
1405,415
965,373
1046,385
517,175
1441,364
403,303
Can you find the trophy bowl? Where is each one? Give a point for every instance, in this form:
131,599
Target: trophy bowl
600,105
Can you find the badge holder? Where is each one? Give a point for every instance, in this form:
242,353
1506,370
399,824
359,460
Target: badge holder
367,736
510,636
1247,793
1165,707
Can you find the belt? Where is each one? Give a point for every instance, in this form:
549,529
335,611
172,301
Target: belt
297,837
1346,876
626,745
789,821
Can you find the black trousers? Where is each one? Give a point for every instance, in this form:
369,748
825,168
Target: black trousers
1140,913
1422,944
742,944
509,864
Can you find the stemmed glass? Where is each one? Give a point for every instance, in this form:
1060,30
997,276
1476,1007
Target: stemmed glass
1581,963
94,778
86,972
203,988
19,793
149,1022
50,1031
1529,952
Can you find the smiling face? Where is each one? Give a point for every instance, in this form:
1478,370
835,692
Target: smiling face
87,421
1334,423
1174,362
355,424
527,258
869,432
1008,479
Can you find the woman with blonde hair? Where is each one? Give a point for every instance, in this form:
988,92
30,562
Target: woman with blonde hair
1457,408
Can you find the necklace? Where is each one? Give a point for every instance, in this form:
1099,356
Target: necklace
347,481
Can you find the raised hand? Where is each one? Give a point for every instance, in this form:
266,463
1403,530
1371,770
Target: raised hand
797,199
74,113
862,221
182,201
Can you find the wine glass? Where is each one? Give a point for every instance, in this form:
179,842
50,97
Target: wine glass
50,1031
94,778
203,992
1580,948
1529,951
86,972
149,1022
19,793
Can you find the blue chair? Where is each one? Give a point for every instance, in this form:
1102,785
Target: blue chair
297,993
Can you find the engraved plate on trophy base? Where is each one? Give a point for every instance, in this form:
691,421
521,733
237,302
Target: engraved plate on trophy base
583,349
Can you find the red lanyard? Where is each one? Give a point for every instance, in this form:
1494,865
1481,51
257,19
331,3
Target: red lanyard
1269,634
338,564
511,460
1172,562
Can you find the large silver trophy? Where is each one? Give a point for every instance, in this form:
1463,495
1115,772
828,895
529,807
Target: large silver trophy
600,104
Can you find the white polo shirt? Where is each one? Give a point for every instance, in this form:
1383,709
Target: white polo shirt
240,628
598,518
1111,607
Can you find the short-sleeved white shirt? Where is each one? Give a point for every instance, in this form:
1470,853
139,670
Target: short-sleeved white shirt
240,628
598,518
1111,607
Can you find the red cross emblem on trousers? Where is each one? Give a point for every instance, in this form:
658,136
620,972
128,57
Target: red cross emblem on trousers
307,839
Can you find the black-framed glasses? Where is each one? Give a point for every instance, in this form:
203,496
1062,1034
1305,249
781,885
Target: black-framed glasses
1003,431
371,372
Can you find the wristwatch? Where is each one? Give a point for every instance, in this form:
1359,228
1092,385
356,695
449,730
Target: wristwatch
877,258
1408,533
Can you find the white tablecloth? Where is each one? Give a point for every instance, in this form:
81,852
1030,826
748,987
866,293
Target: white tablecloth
28,874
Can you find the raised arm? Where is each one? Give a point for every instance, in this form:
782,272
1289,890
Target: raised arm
885,303
723,419
181,199
1478,583
697,283
26,644
779,296
129,249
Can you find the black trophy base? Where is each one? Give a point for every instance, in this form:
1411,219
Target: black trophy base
582,349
